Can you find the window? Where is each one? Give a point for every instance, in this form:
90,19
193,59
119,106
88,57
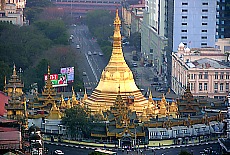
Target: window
205,86
204,23
227,75
200,86
204,10
204,44
200,75
204,30
184,17
183,30
222,22
227,86
185,44
216,86
184,10
222,29
184,37
216,75
222,75
183,23
204,37
191,86
204,17
205,75
192,76
184,3
204,3
221,87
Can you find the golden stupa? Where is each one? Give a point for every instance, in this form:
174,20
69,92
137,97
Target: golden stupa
116,77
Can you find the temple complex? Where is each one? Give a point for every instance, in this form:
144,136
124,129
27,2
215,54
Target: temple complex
116,75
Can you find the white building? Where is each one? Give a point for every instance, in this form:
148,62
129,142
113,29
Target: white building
205,69
194,23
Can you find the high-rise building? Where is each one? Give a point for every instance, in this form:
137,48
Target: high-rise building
223,19
194,23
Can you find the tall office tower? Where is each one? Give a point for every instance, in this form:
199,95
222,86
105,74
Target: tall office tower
194,23
223,19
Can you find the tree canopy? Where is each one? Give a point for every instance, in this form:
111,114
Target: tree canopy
76,120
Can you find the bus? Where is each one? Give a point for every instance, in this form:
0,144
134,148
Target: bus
105,152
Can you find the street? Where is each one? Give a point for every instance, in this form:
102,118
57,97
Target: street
70,149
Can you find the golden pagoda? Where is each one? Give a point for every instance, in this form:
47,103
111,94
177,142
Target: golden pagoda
116,75
45,101
55,112
16,108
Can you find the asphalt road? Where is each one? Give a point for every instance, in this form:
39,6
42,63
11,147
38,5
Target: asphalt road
91,64
175,150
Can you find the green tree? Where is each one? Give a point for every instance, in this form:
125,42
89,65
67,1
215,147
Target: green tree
76,120
135,40
4,71
100,23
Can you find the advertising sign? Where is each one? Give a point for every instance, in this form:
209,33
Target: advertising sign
57,80
70,73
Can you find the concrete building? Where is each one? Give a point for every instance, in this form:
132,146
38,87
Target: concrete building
154,42
194,23
205,69
132,16
223,19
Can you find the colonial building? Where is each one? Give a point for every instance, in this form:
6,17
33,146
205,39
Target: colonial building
12,12
204,69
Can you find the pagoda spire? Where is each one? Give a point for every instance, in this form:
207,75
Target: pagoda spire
14,71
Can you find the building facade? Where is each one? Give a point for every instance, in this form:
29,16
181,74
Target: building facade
194,23
205,69
153,40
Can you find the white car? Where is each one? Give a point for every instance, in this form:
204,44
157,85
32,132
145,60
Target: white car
100,54
58,152
89,53
94,53
78,46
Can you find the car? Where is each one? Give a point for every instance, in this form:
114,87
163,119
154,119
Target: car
78,46
134,64
58,152
100,54
89,53
84,73
94,53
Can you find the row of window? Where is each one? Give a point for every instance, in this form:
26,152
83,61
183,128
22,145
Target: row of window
204,75
202,37
202,44
186,3
186,10
203,17
187,23
204,86
184,30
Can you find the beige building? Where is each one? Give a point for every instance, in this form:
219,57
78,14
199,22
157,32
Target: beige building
132,16
205,69
12,12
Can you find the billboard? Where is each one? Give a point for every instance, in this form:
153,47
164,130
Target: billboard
70,73
58,80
